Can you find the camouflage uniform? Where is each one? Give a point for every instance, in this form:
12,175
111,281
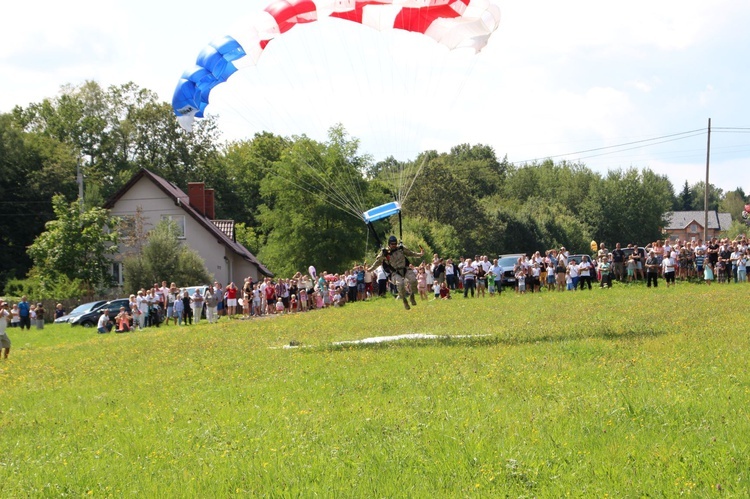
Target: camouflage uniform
399,270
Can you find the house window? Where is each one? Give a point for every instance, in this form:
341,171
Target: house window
179,220
117,273
693,228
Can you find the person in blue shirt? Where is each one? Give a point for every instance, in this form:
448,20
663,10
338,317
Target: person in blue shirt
24,309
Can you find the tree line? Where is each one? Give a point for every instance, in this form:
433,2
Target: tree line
283,191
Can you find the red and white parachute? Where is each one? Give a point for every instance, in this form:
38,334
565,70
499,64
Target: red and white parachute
451,23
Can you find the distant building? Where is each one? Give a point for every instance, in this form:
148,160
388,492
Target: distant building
688,225
214,240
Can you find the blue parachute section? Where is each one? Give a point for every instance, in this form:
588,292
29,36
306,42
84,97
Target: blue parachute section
213,66
381,212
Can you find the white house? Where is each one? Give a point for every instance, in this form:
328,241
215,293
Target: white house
156,199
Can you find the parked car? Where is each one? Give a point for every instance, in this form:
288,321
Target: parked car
90,319
508,263
79,310
629,251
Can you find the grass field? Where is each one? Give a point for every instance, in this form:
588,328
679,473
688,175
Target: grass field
627,392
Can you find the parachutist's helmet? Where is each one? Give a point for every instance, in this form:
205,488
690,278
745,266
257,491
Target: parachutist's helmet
392,240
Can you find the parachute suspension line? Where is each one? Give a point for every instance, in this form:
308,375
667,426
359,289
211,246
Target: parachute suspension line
367,243
413,179
374,235
354,213
349,199
352,195
400,227
462,83
366,38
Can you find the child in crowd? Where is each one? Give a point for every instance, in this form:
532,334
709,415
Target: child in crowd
15,316
550,276
279,306
720,268
436,289
422,283
39,316
568,280
445,292
319,303
708,272
293,303
337,299
631,269
536,273
257,301
521,280
177,310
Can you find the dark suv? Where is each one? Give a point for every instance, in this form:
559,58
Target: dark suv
90,319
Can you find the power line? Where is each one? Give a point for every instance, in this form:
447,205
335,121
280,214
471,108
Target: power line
695,132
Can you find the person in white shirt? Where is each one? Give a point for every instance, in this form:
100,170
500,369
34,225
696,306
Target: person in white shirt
142,302
104,325
469,276
584,271
668,268
4,340
197,305
450,274
573,270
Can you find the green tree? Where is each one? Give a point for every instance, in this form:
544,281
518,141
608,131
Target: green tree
698,191
629,206
439,197
685,201
313,199
733,202
164,258
237,173
478,168
32,168
118,130
76,245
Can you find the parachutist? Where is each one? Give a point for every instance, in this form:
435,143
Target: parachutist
396,264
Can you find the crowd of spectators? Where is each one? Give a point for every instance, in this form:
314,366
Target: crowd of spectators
717,260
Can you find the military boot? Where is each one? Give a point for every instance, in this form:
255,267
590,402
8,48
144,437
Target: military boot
413,300
406,304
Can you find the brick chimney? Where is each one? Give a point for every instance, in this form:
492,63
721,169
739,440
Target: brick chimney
210,204
197,196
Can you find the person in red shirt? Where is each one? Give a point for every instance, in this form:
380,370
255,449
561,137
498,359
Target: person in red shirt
270,298
231,299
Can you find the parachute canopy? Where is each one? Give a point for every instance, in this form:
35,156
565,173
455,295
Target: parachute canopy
452,23
381,212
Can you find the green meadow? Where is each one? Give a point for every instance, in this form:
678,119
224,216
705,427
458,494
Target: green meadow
629,392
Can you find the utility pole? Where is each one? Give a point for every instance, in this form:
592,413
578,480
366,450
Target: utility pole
705,195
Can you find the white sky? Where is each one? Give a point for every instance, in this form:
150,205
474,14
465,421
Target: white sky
556,78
